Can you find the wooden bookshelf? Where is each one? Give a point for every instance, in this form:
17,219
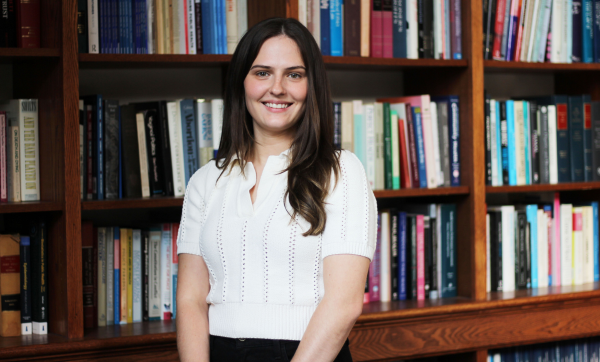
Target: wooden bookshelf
460,329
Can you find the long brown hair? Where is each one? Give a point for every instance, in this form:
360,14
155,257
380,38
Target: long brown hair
313,156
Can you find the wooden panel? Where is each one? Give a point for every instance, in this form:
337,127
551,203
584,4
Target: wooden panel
390,63
102,61
133,203
569,186
578,83
291,9
259,10
30,206
441,191
539,67
50,24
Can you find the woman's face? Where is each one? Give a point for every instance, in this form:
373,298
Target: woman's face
276,87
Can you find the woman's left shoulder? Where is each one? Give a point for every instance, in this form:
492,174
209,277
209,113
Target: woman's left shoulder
350,164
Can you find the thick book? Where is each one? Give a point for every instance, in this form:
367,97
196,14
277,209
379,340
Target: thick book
399,36
446,216
97,153
375,268
10,277
325,28
336,28
165,272
455,29
387,28
496,250
588,145
376,28
82,32
428,36
8,24
576,138
28,23
87,263
111,148
25,289
562,134
351,20
154,290
156,169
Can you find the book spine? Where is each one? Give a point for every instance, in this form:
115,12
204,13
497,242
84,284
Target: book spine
154,309
511,144
552,144
566,244
29,149
506,29
498,29
543,41
595,107
110,278
111,148
396,153
154,149
500,174
137,275
176,148
150,40
217,123
13,165
577,32
420,258
402,263
489,23
99,148
325,28
433,254
544,145
351,20
165,272
82,31
596,246
365,28
421,13
375,267
3,168
335,25
587,139
174,267
232,25
388,159
376,29
488,143
10,271
454,132
101,276
199,30
394,254
448,285
207,42
117,276
93,27
25,289
385,281
87,262
369,121
418,128
165,153
412,145
399,30
596,30
405,171
124,275
575,119
494,144
129,270
387,29
527,143
337,125
143,155
456,25
413,258
531,212
428,35
145,274
188,125
191,26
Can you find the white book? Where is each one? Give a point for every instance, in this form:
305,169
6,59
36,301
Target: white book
101,276
556,26
588,244
315,13
13,164
566,244
438,45
154,290
533,29
412,33
176,23
217,122
528,13
494,144
24,114
379,148
151,27
552,147
488,269
519,143
137,275
204,124
231,20
435,140
242,14
386,267
110,275
347,126
545,26
141,132
165,273
92,27
369,117
567,35
542,247
578,246
302,12
395,149
508,248
191,27
176,143
428,141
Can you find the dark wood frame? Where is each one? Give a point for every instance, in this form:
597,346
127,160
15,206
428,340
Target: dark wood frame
462,328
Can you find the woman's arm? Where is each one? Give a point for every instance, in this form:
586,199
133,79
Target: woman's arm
344,280
192,311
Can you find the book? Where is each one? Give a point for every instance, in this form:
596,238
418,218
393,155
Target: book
176,148
111,148
3,168
336,28
129,276
137,274
145,274
385,258
101,276
124,272
351,21
92,27
140,119
394,258
376,29
117,276
325,28
174,267
10,277
399,35
165,272
587,138
25,286
402,262
375,267
154,288
217,123
87,263
205,141
13,165
28,23
190,147
110,276
387,28
576,137
420,258
365,27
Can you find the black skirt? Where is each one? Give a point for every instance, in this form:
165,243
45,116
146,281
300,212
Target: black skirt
223,349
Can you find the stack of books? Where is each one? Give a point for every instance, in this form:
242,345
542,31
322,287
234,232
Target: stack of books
544,140
415,257
129,275
20,24
413,29
160,26
537,246
556,31
404,142
586,349
145,149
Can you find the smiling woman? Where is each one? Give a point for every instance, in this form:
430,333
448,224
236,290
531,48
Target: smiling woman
277,232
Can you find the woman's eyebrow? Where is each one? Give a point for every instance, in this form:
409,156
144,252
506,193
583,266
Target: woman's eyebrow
269,67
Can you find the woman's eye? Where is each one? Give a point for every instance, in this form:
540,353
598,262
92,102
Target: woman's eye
261,73
296,75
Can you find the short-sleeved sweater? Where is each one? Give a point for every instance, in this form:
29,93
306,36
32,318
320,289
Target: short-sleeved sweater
266,279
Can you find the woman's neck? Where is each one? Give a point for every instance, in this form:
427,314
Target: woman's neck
261,151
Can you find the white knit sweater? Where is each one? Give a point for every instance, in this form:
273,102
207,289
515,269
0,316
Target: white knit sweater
266,279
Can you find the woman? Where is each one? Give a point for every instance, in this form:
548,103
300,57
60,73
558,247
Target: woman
276,236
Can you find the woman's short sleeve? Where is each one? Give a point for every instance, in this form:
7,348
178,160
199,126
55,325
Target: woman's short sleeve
188,240
351,226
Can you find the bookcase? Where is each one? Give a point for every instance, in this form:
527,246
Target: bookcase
456,329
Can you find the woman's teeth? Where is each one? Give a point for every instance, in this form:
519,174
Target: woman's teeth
277,105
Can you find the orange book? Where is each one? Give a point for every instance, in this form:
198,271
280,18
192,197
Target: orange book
124,274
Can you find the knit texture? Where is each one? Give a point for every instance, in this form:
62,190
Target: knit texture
266,279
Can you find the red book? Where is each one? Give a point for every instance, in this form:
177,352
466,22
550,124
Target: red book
403,145
3,186
520,28
499,30
375,268
87,263
420,258
28,23
388,24
351,28
376,29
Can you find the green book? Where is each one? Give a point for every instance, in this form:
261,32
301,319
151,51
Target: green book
387,144
395,151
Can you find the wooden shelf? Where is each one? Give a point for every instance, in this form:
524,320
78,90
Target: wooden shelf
9,54
440,191
569,186
539,67
386,63
30,206
144,203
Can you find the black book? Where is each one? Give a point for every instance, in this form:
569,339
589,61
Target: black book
495,251
337,125
544,145
411,256
489,21
428,254
82,32
394,252
504,143
520,250
433,287
428,34
535,142
198,18
421,28
8,24
166,149
145,274
25,259
111,149
39,276
488,143
130,156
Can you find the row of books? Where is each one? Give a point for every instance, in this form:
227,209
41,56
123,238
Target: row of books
557,31
415,257
129,275
403,142
544,140
20,24
580,350
24,280
19,151
537,246
161,26
411,29
145,149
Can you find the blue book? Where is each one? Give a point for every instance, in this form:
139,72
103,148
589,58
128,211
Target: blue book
420,145
596,247
130,39
548,210
448,246
575,115
402,255
117,277
217,30
588,31
527,141
122,29
596,30
399,31
577,30
137,25
144,26
453,134
562,134
360,148
510,131
506,30
102,26
499,144
531,212
190,146
207,38
335,18
223,26
114,26
588,140
325,28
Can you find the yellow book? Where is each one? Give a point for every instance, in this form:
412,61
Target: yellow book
124,274
129,275
159,27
